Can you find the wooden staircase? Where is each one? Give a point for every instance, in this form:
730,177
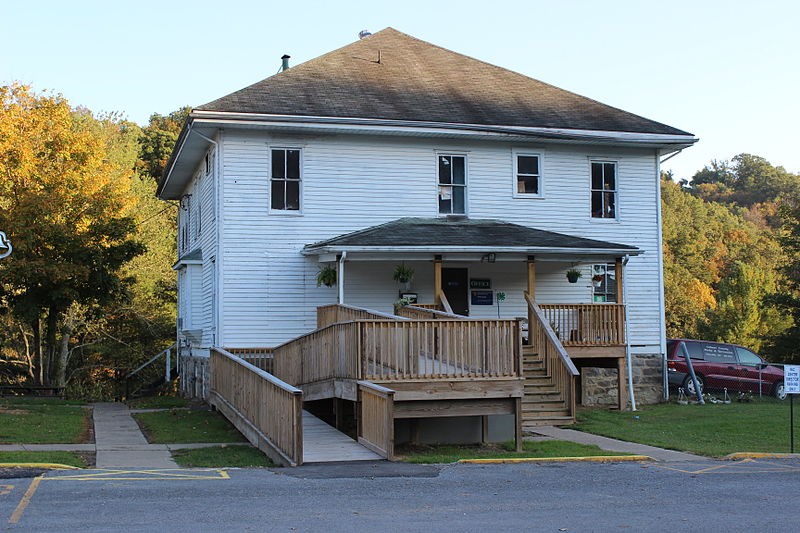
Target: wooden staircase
543,404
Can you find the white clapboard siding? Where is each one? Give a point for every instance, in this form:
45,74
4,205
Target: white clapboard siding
353,182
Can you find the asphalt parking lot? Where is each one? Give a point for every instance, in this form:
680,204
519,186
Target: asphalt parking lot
746,495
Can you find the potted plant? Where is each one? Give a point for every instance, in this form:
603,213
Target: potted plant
326,276
399,304
403,274
597,280
573,275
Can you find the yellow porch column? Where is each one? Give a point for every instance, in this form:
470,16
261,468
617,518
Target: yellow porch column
437,279
618,276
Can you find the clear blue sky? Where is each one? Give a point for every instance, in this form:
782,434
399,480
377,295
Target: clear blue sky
727,71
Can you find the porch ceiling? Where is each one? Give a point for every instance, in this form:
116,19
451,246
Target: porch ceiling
465,236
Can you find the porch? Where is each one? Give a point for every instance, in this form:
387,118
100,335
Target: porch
419,364
481,345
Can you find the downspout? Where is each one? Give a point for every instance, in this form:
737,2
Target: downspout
628,361
340,277
662,333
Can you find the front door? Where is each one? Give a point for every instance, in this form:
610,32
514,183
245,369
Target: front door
455,284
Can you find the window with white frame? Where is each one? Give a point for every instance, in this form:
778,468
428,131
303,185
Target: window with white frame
604,189
452,171
185,221
285,179
604,283
527,174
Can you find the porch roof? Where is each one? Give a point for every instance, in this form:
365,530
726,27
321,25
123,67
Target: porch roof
440,235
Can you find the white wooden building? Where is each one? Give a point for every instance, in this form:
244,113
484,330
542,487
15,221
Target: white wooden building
351,160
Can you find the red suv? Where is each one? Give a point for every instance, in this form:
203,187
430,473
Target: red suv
719,366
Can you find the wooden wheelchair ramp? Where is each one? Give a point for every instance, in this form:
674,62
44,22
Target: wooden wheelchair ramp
324,444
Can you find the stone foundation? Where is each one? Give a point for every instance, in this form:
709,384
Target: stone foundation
599,385
194,376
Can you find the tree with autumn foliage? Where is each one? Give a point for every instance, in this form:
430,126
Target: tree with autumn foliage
66,204
720,270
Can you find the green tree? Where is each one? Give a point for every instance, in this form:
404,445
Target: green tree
65,201
719,267
157,141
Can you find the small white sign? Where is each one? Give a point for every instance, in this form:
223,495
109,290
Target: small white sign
791,379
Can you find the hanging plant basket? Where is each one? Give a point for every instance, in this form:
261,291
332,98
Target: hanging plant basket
403,274
573,275
326,276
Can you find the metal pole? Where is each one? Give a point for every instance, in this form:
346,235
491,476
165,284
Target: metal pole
697,390
791,422
167,374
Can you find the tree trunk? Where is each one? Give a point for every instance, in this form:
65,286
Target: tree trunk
38,358
52,334
63,357
29,360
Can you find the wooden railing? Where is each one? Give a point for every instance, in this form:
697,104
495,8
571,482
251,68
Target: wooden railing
416,312
376,418
327,353
331,314
261,357
439,349
270,409
436,307
556,360
401,349
587,324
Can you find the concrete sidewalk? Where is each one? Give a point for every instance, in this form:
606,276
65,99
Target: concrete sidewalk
614,445
119,443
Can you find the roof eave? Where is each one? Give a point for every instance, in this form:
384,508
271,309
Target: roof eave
528,250
389,126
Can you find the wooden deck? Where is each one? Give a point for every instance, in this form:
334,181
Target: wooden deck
324,444
426,365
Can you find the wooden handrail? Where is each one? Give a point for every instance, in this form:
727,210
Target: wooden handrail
551,335
445,303
331,314
266,409
556,360
415,312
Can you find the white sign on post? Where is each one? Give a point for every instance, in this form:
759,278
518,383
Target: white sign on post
791,379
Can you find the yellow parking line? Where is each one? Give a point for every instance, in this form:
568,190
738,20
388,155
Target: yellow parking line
746,466
26,499
141,475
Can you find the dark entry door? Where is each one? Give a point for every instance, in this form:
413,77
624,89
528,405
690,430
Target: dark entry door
455,284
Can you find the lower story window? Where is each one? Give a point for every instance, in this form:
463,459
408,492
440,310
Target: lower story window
604,283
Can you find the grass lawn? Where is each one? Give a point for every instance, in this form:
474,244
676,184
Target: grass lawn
63,458
43,421
221,457
157,402
712,429
453,453
182,426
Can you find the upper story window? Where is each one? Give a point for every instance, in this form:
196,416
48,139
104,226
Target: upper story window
452,184
604,189
527,174
184,223
285,179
